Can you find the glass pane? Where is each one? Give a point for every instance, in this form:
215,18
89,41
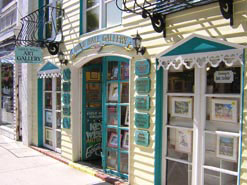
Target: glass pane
91,3
223,79
48,31
178,173
124,163
58,121
58,139
225,157
93,76
112,71
112,139
112,115
180,144
112,160
48,84
124,71
113,14
48,136
124,116
211,177
181,80
58,10
58,101
228,179
113,92
124,140
93,95
125,92
48,100
58,84
48,119
93,19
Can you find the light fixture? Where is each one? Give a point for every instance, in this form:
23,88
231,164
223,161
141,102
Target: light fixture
137,42
61,58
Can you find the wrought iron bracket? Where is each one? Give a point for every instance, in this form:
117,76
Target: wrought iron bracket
226,8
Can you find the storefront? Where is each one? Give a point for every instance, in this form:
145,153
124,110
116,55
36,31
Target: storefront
201,83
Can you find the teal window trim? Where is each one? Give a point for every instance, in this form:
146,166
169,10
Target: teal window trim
41,13
81,17
158,126
40,112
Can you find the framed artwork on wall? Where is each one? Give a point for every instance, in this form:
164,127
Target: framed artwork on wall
181,107
113,92
125,144
126,122
224,110
113,140
227,147
183,141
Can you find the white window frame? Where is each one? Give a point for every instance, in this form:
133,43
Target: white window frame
54,112
199,125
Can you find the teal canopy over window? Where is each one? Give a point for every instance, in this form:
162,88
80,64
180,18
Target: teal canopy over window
49,70
199,50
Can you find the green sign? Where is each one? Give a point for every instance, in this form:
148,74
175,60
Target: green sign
66,122
66,99
142,120
142,67
143,85
66,86
66,110
142,137
66,74
30,55
142,102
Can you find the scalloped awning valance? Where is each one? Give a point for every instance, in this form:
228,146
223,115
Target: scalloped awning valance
49,70
200,51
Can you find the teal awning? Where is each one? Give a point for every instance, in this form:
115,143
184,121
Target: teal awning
49,70
200,50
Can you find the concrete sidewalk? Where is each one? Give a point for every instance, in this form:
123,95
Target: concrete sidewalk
21,165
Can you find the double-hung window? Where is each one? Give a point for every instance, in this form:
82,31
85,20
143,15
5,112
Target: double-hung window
98,14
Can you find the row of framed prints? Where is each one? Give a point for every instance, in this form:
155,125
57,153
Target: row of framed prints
226,147
113,140
221,109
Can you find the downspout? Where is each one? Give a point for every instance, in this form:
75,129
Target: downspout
241,118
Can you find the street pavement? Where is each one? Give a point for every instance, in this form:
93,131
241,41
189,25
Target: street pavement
21,165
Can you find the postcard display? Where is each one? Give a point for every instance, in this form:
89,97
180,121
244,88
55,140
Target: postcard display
142,102
66,84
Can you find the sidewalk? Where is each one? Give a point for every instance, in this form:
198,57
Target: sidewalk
21,165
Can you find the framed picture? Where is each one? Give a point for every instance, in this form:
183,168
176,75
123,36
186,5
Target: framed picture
92,76
113,140
126,122
48,117
112,116
125,144
181,107
183,140
227,147
224,110
113,92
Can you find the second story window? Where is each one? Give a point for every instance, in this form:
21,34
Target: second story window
98,14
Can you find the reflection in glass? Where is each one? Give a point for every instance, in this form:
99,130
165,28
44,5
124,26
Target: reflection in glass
58,139
58,101
124,116
112,115
58,120
112,71
112,138
124,92
217,178
112,160
113,92
124,71
93,19
48,119
124,163
113,14
48,100
48,84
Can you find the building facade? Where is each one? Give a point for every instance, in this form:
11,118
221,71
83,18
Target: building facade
177,108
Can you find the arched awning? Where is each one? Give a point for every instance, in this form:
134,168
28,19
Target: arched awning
49,70
200,50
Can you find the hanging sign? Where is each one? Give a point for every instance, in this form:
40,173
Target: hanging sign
30,55
98,41
142,102
142,137
142,67
142,120
143,85
223,77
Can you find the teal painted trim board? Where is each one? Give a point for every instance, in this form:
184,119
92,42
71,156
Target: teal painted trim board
81,17
41,13
40,112
241,121
158,127
48,66
198,45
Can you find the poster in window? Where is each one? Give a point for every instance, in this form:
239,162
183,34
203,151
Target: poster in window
113,140
226,147
113,92
224,110
183,141
181,107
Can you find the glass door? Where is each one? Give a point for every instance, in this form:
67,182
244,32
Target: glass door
115,115
52,113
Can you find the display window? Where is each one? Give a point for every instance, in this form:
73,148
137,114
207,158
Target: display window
52,113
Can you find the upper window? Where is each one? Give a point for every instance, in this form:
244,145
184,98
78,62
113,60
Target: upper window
6,2
98,14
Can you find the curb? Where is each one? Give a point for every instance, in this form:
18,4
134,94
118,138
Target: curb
83,168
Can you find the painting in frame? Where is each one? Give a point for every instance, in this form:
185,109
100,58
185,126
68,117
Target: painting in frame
181,107
113,140
126,122
224,110
125,144
227,147
113,92
183,141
